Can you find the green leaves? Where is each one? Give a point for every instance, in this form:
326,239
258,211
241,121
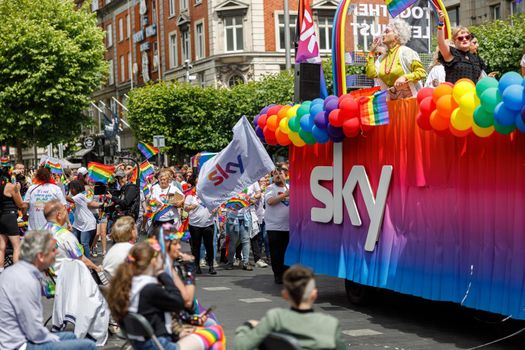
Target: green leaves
51,61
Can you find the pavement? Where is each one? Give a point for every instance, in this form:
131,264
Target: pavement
389,321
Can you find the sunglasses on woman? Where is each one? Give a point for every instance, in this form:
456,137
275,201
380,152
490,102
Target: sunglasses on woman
464,37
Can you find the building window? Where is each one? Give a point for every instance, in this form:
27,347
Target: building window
234,33
122,69
173,50
109,35
120,29
325,24
183,5
111,80
362,42
155,57
198,2
130,66
186,45
453,15
154,12
171,6
235,80
202,81
199,40
94,5
293,24
128,26
495,11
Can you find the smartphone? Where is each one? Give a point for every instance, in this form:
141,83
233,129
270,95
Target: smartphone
210,309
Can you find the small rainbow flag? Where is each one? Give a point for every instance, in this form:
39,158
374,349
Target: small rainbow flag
55,168
98,172
147,150
236,204
374,110
146,169
395,7
5,161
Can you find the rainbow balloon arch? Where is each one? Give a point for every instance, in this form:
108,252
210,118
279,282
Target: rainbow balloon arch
460,109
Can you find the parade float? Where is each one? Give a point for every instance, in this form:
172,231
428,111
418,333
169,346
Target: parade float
420,196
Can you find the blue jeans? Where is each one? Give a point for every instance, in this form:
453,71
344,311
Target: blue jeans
68,340
215,234
85,237
263,239
238,232
149,345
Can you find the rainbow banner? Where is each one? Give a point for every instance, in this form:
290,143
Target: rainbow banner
98,172
147,150
146,169
161,211
374,109
396,7
55,168
5,161
236,204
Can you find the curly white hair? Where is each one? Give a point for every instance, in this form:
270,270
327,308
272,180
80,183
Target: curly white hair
402,30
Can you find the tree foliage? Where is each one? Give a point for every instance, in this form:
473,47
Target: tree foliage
51,61
195,119
501,43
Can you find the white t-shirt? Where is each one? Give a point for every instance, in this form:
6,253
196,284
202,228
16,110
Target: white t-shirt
84,219
276,216
161,195
115,256
68,247
438,74
37,196
200,216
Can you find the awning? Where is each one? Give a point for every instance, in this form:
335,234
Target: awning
80,154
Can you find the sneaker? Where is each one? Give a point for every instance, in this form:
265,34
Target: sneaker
261,263
247,267
215,263
228,267
237,262
94,254
202,263
212,271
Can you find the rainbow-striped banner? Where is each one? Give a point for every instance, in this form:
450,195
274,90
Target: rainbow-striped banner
236,204
147,150
98,172
396,7
374,109
55,168
146,169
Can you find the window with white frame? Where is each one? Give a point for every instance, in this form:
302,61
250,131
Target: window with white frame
173,50
183,5
325,25
155,57
198,2
171,6
293,24
120,29
94,5
130,66
111,77
363,42
109,35
128,26
233,28
495,12
199,40
185,40
122,69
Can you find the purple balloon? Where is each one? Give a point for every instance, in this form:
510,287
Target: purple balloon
255,120
331,105
523,112
259,132
321,120
338,139
265,109
330,98
335,132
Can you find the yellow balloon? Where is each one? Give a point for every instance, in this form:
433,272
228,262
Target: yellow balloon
292,111
461,88
482,132
461,121
467,103
296,139
283,125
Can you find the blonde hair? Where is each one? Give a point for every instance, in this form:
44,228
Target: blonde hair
457,30
122,230
165,172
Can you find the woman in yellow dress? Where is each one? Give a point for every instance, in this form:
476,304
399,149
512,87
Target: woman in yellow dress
399,69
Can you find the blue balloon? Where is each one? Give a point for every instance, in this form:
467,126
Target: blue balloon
259,132
318,101
255,120
508,79
307,122
316,108
520,123
321,120
320,135
338,139
504,116
513,97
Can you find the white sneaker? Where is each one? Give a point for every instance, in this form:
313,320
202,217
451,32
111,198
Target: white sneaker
261,263
215,263
237,262
202,263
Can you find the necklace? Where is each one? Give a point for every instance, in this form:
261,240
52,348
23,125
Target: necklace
389,66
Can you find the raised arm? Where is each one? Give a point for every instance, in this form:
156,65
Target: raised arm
444,48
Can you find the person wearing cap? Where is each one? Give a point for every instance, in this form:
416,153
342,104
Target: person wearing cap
129,200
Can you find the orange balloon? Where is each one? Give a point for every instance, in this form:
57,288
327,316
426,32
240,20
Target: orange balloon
272,123
282,138
446,105
441,90
437,122
282,112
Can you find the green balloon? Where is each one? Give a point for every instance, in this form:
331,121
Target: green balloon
484,84
307,137
490,99
304,109
505,130
293,123
482,118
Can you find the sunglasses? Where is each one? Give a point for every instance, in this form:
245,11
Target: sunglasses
464,37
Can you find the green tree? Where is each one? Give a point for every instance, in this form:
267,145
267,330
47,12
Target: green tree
501,43
51,61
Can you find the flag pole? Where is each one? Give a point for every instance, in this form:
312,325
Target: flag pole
287,35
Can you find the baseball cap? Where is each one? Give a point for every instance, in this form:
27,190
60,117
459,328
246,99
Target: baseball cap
82,171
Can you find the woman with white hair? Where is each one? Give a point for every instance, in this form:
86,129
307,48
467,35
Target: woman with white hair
400,68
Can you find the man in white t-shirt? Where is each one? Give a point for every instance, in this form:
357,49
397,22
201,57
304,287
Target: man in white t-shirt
169,196
37,196
276,218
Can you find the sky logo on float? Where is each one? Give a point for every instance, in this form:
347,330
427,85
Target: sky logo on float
219,174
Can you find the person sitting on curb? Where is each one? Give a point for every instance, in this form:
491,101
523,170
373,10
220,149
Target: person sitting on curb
313,330
21,300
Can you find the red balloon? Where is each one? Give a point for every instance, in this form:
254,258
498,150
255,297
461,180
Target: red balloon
423,121
282,138
351,127
274,110
424,93
427,106
262,121
343,97
336,118
366,128
349,107
269,136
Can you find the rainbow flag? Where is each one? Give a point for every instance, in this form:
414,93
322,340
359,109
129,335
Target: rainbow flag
236,204
146,169
55,168
147,150
5,161
395,7
98,172
162,210
374,110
